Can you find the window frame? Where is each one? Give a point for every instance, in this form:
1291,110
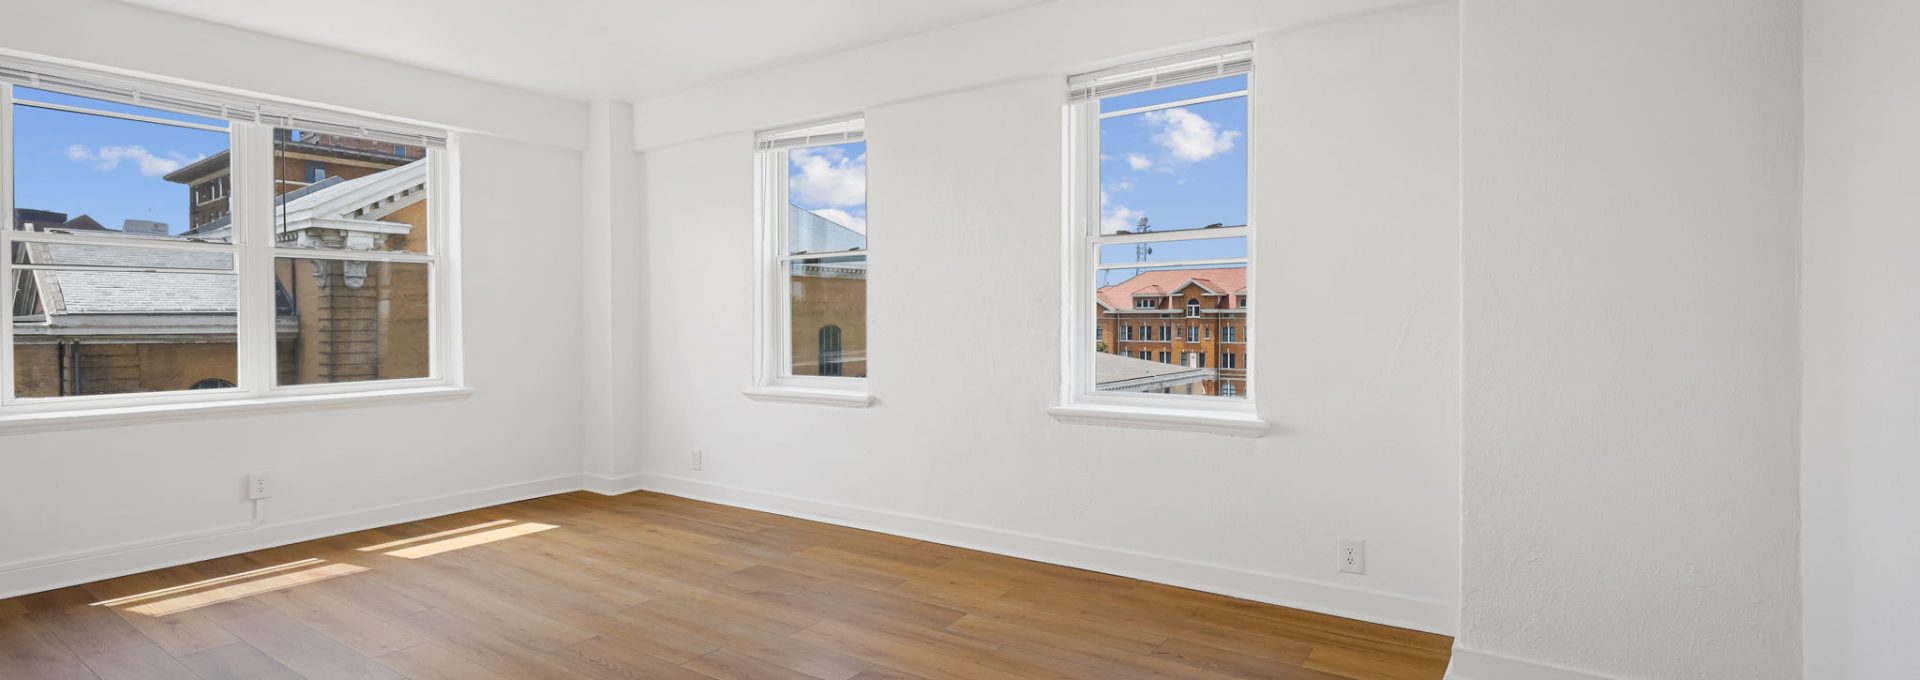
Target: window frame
253,251
773,376
1079,400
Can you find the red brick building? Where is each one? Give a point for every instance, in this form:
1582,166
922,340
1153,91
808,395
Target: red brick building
1196,318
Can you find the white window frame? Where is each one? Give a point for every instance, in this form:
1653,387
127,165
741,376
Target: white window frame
253,251
1079,402
773,377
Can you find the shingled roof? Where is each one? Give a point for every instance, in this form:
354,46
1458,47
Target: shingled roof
69,292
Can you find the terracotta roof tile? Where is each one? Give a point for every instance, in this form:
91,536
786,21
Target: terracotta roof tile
1231,279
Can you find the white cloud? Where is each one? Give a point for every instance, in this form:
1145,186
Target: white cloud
827,177
1189,137
108,158
1119,219
843,218
1138,162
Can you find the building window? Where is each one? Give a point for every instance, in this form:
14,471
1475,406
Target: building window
1146,303
830,350
316,172
813,248
1126,332
1228,390
1228,334
1159,176
296,290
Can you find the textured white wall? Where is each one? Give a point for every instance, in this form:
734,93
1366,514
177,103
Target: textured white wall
1860,461
1630,358
98,487
1357,345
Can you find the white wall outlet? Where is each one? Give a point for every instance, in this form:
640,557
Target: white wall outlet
257,487
698,459
1353,556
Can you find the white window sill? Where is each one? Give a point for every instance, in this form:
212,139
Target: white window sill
810,395
125,415
1234,424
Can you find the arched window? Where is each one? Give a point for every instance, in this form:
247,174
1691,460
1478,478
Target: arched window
830,350
1193,309
211,384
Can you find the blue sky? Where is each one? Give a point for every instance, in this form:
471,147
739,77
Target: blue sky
1181,168
831,181
104,167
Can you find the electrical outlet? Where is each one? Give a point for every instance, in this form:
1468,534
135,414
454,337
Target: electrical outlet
1353,556
697,461
257,487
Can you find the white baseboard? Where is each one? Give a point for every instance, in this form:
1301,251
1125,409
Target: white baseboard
1366,605
1468,664
60,571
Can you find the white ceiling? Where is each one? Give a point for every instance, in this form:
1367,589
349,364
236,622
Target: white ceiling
585,49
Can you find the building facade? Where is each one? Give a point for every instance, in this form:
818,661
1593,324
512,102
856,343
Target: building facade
1193,318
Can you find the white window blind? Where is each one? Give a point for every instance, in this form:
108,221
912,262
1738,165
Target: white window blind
1174,70
813,134
211,104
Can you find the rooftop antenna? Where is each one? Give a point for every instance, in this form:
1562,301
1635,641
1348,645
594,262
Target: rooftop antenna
1142,250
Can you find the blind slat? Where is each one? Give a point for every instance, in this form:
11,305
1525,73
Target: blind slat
209,104
1176,70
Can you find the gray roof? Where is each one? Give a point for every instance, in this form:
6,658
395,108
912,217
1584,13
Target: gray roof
808,232
126,292
1127,374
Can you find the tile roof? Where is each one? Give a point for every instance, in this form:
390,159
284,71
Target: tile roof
1229,281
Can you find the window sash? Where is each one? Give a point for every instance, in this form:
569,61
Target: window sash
773,305
253,250
1083,240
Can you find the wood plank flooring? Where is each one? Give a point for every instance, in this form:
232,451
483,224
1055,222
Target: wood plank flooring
651,586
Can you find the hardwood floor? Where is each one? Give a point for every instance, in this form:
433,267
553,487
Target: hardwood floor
652,586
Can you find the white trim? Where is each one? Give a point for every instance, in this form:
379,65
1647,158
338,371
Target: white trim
1288,591
773,377
1176,418
1079,400
59,571
239,403
851,398
1174,104
1469,664
116,114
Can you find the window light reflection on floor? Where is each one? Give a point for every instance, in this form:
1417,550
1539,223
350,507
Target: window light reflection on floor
469,540
198,594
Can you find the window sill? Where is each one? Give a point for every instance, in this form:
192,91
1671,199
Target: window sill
811,395
126,415
1233,424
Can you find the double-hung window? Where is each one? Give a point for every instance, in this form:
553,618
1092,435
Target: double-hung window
168,244
812,292
1159,205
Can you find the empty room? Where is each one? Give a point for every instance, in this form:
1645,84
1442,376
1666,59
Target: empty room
959,339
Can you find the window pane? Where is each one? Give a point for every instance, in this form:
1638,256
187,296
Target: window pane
348,321
827,198
91,173
338,192
1174,169
1182,322
829,316
90,319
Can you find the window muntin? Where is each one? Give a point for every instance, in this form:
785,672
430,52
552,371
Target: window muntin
813,232
149,298
1161,185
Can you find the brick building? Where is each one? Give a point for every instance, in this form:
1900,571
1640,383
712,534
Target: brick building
1194,319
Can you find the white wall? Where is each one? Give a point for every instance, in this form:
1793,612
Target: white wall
1861,291
1630,254
1357,349
96,488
